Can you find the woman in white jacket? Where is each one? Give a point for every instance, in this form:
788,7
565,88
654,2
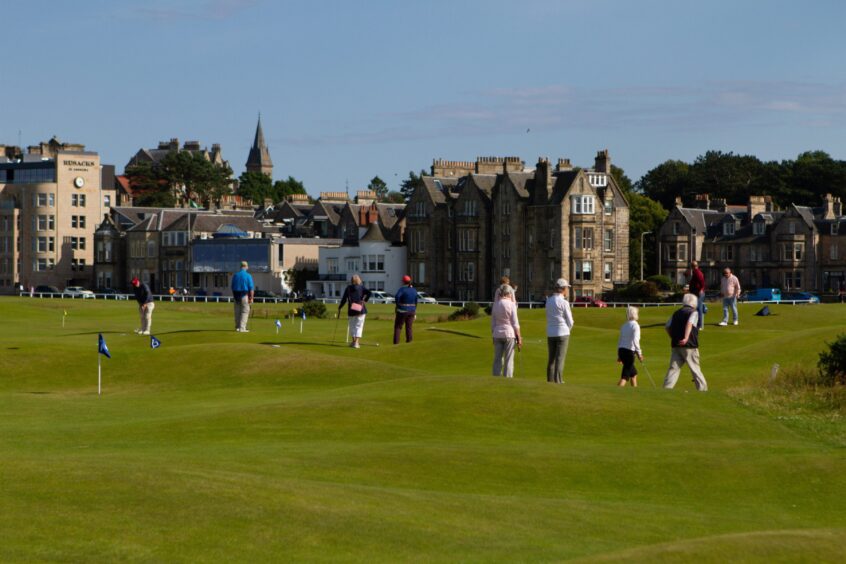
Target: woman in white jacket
628,347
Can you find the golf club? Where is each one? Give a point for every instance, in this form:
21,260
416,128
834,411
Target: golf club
335,331
643,364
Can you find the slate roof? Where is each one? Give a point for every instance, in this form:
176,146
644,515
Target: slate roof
259,154
521,181
374,233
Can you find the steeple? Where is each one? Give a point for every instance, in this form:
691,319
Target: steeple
259,159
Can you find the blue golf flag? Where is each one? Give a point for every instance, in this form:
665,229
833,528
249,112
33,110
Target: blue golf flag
102,348
154,343
302,313
278,323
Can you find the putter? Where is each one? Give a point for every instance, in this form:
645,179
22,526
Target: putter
643,364
335,332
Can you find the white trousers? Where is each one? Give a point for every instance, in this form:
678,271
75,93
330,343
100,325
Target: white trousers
356,324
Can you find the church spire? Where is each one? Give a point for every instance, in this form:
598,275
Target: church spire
259,159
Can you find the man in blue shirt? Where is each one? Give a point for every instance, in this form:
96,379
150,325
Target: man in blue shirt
242,290
406,310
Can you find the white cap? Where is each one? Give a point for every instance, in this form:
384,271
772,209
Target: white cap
562,283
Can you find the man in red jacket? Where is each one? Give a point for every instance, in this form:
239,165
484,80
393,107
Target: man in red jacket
696,286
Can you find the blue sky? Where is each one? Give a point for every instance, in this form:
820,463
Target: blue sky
349,90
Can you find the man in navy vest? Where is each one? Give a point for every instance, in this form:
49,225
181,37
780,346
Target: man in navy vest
684,339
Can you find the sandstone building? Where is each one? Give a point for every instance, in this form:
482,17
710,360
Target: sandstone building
473,222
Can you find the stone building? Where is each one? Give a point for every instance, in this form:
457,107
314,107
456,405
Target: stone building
259,157
51,200
797,248
472,222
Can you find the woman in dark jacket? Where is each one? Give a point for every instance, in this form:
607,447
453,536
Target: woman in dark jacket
356,296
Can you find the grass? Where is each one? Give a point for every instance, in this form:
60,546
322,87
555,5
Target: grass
219,446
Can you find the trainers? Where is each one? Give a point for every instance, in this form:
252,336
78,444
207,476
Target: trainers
723,324
735,322
245,330
143,332
356,346
237,329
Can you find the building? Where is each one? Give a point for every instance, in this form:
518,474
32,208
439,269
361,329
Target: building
155,156
51,200
797,248
473,222
259,157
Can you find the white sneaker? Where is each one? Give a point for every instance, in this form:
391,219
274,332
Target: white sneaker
245,330
144,333
238,329
735,322
356,346
136,331
723,323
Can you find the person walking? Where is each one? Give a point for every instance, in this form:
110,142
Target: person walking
559,322
243,290
730,291
628,347
684,340
696,286
505,329
356,296
144,297
406,310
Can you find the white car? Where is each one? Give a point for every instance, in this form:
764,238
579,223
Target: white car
425,298
78,292
380,297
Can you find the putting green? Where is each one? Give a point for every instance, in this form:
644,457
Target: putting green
221,446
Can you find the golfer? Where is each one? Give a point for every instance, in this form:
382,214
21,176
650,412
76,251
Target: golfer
730,291
356,296
684,339
144,297
628,347
242,292
505,329
696,286
559,322
406,310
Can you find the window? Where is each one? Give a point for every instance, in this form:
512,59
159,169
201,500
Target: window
421,273
671,252
44,200
793,280
584,270
373,263
676,228
449,274
77,243
759,228
608,271
553,272
151,248
46,244
608,206
682,252
552,237
835,227
832,251
107,201
583,238
78,221
506,207
467,272
470,208
608,241
792,251
78,200
582,205
46,222
726,252
352,265
466,240
39,265
78,264
709,252
791,227
756,253
332,265
728,228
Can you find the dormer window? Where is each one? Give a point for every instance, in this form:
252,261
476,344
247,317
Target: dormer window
608,206
598,180
676,228
759,228
728,228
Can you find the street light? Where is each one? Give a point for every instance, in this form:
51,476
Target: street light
641,253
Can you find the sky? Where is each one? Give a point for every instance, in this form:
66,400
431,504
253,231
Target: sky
351,90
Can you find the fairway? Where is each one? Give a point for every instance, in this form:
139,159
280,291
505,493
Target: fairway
227,447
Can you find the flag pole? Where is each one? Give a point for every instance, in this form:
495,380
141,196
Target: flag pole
301,325
99,375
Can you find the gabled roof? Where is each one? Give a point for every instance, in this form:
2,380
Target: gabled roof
484,183
374,234
563,182
146,225
389,214
521,182
806,213
436,187
212,222
697,218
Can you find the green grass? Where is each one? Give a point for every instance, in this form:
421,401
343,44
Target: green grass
221,447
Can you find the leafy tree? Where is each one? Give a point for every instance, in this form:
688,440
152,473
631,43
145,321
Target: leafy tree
394,197
666,182
410,184
378,185
623,181
645,215
148,187
284,188
256,186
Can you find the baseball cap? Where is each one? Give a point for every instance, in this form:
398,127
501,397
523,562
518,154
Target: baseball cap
406,279
562,283
135,281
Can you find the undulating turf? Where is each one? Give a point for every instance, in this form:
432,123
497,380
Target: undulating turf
259,447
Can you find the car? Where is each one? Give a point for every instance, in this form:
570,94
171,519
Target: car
380,297
801,296
110,293
78,292
588,301
264,294
424,298
47,290
762,295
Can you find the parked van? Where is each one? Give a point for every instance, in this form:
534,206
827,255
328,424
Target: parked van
762,295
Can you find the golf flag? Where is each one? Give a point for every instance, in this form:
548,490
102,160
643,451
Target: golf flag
302,313
154,343
278,324
102,348
64,315
66,312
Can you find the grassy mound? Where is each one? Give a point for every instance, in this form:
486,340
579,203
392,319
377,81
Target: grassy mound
222,446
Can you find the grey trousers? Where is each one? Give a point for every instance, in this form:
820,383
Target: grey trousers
680,357
557,347
242,312
146,316
504,356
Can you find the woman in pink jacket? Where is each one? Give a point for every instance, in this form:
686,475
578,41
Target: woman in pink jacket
505,328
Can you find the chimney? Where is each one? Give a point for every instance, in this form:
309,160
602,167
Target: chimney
678,202
719,204
703,201
602,163
563,165
543,181
768,204
756,205
828,204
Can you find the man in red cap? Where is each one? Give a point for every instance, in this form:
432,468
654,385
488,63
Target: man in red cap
144,297
406,310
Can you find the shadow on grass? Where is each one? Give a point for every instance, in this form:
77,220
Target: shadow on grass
318,344
452,332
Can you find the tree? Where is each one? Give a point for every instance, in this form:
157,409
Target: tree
284,188
148,188
623,181
410,184
378,185
256,186
645,215
395,197
665,182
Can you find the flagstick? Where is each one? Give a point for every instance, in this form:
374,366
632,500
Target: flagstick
277,329
348,334
99,375
301,326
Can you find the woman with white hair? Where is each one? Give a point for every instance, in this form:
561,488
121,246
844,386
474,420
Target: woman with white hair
505,328
356,295
628,347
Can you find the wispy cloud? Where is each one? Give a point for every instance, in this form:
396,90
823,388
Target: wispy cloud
559,107
211,10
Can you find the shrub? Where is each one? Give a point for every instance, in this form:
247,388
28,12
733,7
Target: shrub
640,291
469,311
315,309
832,363
662,282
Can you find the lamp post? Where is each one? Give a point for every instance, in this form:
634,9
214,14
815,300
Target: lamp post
641,252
